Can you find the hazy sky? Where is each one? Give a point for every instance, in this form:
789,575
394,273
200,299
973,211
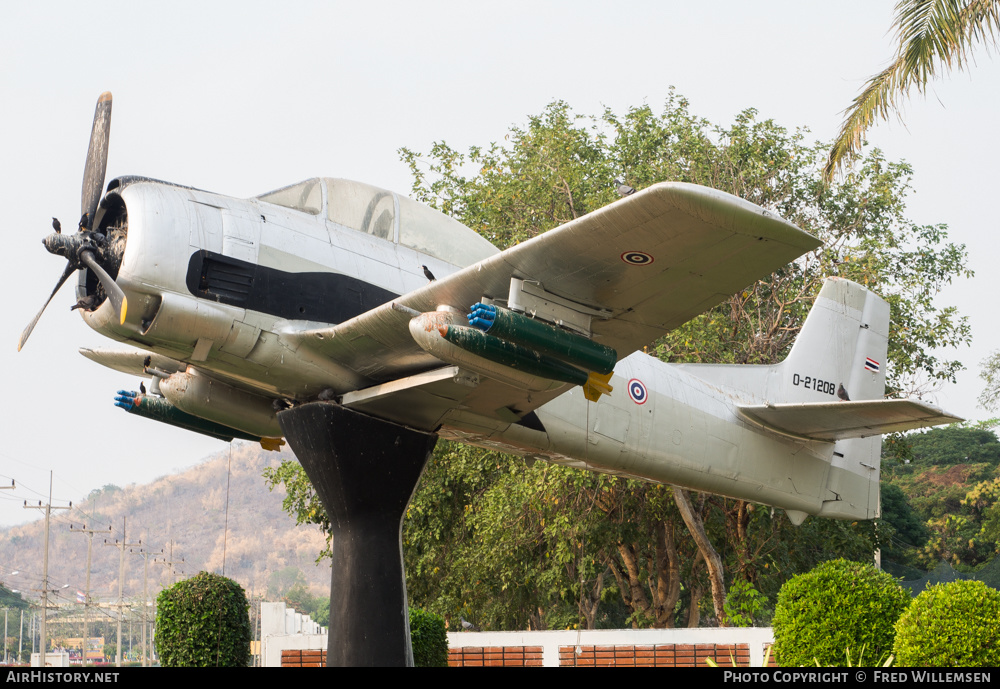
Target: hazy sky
240,98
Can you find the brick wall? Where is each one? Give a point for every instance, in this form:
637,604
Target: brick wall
495,656
611,647
302,658
655,655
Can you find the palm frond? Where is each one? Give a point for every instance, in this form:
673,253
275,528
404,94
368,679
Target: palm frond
931,34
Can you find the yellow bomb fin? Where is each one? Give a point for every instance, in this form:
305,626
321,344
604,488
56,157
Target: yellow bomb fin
597,385
272,444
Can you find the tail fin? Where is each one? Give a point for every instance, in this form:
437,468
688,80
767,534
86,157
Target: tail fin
841,348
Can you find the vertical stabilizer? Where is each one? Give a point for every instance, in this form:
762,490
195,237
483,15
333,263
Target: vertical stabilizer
841,354
841,350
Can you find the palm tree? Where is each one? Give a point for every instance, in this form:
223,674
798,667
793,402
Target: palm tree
932,34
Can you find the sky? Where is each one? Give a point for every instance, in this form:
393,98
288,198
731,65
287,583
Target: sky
240,98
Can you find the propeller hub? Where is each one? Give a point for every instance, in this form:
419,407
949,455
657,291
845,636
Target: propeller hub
70,246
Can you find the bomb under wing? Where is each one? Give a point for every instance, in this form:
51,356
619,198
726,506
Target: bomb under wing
159,409
441,333
544,338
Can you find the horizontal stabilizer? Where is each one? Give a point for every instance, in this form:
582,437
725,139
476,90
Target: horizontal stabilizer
830,421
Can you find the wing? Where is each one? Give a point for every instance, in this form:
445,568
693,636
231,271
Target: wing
637,268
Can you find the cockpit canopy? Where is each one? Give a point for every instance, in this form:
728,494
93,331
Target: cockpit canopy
386,215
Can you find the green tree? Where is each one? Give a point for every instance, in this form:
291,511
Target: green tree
954,445
931,34
989,399
952,484
301,600
909,532
9,599
203,622
559,167
301,500
509,545
280,582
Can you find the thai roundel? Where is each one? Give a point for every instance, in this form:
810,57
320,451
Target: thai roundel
637,391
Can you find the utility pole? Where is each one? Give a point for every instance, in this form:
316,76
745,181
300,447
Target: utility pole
121,583
170,562
86,597
145,602
45,562
12,486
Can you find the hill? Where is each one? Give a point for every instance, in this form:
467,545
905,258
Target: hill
247,535
943,499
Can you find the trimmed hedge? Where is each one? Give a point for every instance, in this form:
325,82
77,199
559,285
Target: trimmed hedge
951,625
428,638
836,608
203,622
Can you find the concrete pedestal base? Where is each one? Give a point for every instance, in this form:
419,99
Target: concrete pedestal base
365,471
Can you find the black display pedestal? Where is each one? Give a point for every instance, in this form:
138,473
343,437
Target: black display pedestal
365,471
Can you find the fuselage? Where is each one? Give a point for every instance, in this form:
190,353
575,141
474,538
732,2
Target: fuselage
667,425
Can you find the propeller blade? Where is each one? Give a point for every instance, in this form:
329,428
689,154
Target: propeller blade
97,159
111,288
31,326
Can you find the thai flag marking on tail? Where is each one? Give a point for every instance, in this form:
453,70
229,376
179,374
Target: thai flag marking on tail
871,365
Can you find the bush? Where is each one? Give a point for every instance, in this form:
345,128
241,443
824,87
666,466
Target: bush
429,639
203,622
837,608
951,625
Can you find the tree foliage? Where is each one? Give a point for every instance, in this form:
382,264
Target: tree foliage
301,500
301,600
203,622
931,35
510,544
990,373
9,599
561,166
951,487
